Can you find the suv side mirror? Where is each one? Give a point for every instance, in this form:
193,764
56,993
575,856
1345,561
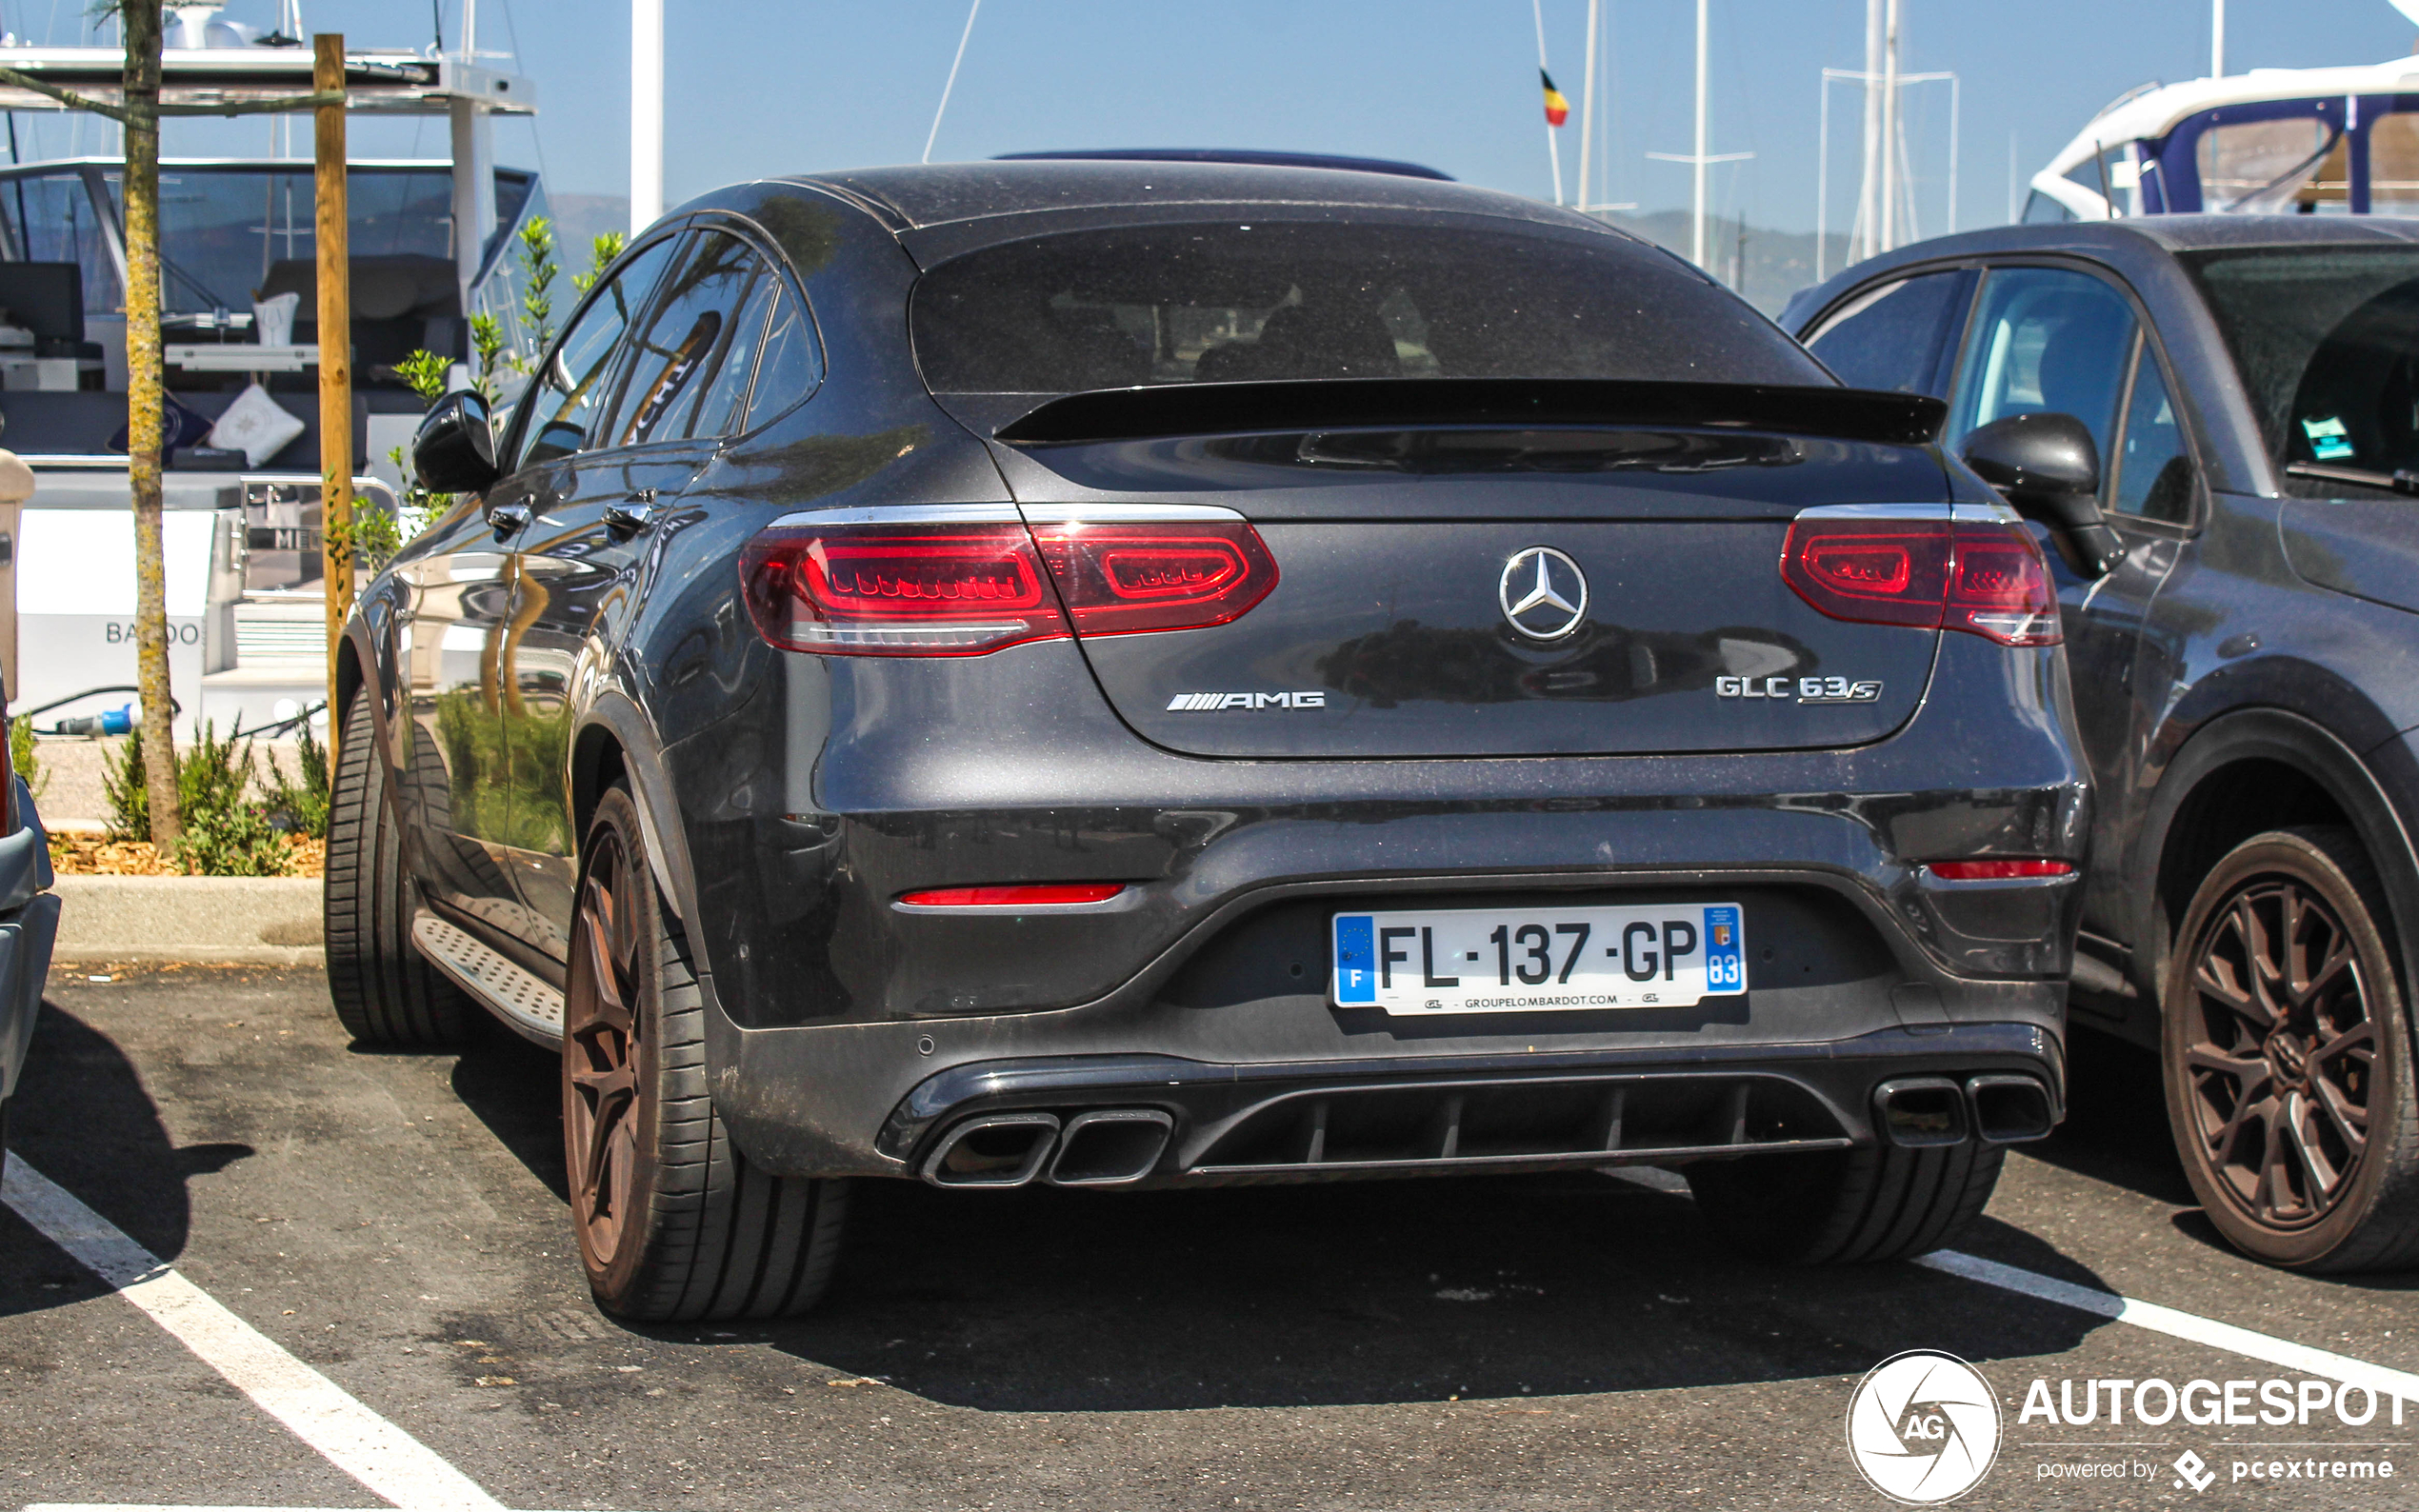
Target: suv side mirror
2048,468
454,450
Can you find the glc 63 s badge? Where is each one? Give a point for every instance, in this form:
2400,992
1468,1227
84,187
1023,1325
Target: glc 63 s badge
1800,689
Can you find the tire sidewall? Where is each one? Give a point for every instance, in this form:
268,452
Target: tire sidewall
2356,900
617,814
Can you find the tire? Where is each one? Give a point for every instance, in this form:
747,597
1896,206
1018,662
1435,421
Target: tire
383,992
2285,1039
1847,1207
672,1222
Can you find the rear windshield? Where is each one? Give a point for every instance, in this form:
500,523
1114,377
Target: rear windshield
1239,301
2326,340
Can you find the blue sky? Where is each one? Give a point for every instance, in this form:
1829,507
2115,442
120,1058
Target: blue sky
771,85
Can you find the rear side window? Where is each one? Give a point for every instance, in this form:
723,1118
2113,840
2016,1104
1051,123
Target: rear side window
792,365
1248,301
673,360
1890,337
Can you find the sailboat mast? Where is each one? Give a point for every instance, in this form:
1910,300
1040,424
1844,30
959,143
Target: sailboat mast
1587,107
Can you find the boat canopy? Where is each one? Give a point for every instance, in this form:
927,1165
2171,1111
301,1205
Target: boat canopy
2274,141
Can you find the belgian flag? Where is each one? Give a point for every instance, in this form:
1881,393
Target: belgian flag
1557,108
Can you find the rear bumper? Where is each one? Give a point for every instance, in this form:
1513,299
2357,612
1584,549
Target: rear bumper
1461,1114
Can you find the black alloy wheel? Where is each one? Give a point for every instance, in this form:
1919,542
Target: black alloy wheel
673,1222
2288,1057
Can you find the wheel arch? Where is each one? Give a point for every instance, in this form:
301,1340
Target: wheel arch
2243,773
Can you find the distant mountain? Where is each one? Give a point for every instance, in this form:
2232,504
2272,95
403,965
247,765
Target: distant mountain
1778,262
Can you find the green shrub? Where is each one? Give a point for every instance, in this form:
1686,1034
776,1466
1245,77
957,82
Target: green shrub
225,834
239,842
24,758
302,804
122,786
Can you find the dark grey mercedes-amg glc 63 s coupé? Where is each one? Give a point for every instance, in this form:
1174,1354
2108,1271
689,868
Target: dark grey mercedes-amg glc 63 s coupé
1134,674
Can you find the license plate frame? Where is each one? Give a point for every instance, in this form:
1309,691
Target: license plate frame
1435,962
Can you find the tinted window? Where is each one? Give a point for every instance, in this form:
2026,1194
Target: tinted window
2153,470
791,363
719,407
1235,301
671,360
2327,341
2045,340
1890,337
564,401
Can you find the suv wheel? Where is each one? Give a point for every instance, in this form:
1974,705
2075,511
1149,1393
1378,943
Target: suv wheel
673,1224
384,991
1839,1207
2287,1046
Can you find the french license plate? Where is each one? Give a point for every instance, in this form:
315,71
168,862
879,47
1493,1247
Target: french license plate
1528,959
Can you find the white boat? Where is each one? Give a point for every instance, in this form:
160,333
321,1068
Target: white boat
2337,140
246,606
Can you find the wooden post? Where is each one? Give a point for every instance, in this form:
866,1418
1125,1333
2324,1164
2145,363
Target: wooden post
335,359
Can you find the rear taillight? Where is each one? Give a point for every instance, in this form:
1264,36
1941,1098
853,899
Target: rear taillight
963,589
1997,870
1987,579
1125,577
889,590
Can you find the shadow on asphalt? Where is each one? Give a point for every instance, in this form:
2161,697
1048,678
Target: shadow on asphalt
514,1088
1046,1299
82,1118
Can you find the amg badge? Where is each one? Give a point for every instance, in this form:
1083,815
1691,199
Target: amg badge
1202,703
1799,690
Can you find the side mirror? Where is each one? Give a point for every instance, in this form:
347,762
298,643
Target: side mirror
2048,468
454,451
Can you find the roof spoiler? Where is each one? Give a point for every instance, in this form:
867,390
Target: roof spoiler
1194,410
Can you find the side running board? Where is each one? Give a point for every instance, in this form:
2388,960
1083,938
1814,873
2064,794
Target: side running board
525,1001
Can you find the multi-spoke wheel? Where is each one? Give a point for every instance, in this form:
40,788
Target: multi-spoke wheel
672,1222
2289,1060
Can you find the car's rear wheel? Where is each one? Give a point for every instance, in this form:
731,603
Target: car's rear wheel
1843,1207
2287,1044
673,1224
384,991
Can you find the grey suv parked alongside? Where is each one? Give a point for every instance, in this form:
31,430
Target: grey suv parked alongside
1119,674
2223,414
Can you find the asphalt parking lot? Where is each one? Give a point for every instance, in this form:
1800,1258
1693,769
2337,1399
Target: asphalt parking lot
396,1223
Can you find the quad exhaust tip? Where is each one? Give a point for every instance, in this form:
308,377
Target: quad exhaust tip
1918,1113
1111,1148
2009,1109
996,1149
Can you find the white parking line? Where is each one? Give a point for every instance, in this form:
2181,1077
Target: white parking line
2400,1384
390,1461
2199,1330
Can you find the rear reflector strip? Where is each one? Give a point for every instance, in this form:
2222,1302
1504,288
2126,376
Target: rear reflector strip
1998,871
1039,895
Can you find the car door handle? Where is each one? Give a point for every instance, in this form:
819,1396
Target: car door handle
632,514
508,518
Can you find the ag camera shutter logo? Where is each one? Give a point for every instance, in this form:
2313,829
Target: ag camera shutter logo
1923,1427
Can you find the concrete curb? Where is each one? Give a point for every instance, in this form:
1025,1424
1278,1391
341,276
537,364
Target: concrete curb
247,920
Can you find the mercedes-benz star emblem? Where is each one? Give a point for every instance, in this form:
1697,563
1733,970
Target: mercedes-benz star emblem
1543,592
